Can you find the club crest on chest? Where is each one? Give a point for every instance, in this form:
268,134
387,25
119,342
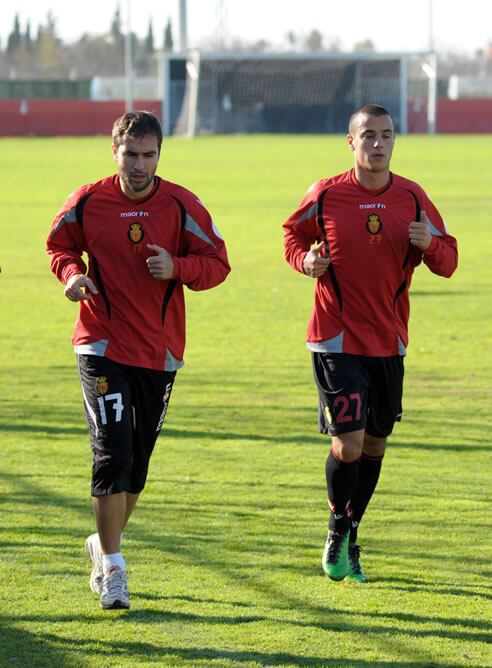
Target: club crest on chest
374,224
135,233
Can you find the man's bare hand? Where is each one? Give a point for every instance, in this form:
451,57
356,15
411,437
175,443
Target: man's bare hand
161,266
80,287
419,232
314,264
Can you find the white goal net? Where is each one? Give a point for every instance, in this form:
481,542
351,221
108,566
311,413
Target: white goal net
293,93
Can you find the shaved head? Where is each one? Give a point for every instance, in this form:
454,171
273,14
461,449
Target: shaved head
367,110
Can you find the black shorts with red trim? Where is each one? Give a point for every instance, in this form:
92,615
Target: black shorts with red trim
358,392
125,408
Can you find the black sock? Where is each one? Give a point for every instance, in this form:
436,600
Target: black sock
369,470
341,480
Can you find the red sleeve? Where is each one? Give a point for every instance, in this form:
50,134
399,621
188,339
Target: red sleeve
441,256
66,242
301,229
203,261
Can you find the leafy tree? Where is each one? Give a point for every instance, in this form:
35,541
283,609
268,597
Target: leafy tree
333,44
260,45
14,38
168,36
149,40
116,28
365,45
49,48
27,35
50,28
314,41
291,39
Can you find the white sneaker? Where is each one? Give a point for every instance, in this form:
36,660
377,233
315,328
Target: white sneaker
94,552
114,591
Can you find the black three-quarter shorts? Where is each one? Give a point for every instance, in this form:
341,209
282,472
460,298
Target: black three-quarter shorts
358,392
125,408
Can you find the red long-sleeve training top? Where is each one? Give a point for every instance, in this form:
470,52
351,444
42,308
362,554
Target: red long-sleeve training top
361,303
135,319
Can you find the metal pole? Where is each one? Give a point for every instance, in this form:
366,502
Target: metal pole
128,61
165,77
183,26
221,29
431,27
431,71
432,102
403,95
193,69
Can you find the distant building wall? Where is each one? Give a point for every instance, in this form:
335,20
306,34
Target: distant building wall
48,89
453,116
114,88
46,118
472,116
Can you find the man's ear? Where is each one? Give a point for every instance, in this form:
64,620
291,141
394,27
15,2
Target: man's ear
350,141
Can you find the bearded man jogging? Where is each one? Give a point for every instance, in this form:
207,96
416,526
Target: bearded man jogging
145,238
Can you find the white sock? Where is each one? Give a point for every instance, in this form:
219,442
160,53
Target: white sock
112,561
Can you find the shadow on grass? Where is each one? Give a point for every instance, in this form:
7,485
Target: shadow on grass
224,436
41,419
42,429
21,648
194,434
193,552
271,426
343,625
244,436
25,491
191,599
415,585
453,447
438,293
31,650
272,423
55,650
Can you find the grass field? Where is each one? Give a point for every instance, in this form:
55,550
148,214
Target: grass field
224,550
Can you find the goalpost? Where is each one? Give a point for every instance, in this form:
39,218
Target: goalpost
224,93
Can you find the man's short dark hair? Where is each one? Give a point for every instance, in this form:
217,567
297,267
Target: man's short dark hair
369,110
136,124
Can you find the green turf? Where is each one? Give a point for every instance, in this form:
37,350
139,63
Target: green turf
224,551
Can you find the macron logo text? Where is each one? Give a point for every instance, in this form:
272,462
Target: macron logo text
134,214
375,205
